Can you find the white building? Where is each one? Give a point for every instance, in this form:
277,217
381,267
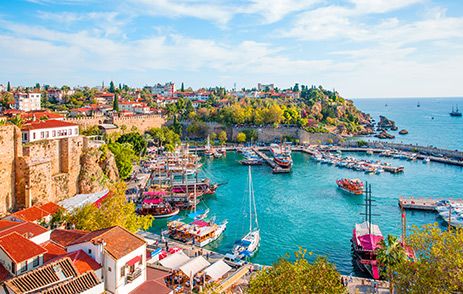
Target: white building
167,89
48,130
27,101
121,254
135,107
265,87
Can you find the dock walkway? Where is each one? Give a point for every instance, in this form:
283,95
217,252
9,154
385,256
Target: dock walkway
423,203
276,169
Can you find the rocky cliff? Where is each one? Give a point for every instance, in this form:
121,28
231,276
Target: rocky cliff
98,169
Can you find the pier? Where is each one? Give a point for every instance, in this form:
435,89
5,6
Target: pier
423,203
276,169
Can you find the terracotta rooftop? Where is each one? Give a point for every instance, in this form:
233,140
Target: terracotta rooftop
79,284
66,237
154,282
47,124
4,224
53,251
119,241
20,249
25,229
42,277
83,262
51,207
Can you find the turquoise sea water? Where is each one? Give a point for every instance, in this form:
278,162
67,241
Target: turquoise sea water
304,208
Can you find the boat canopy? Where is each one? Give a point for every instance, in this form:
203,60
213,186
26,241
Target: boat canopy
200,223
194,215
174,261
155,193
217,270
192,267
152,201
246,253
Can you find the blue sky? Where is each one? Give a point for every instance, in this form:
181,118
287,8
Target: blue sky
362,48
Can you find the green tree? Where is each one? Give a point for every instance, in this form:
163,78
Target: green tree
182,88
166,137
114,211
212,137
390,254
124,156
112,89
8,87
222,137
138,142
241,137
299,276
438,265
115,103
17,121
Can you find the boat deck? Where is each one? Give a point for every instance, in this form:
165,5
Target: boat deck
276,169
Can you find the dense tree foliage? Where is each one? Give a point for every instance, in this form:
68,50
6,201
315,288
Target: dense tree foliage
438,267
222,136
241,137
390,254
138,142
299,276
114,211
124,156
165,136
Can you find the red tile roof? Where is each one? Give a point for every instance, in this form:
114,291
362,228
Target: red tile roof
51,207
31,214
20,249
119,241
53,251
66,237
83,262
47,124
25,229
4,224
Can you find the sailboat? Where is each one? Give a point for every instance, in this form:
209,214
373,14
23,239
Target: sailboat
366,238
418,105
455,112
247,246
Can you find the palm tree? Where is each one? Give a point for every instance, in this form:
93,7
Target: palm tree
17,121
390,255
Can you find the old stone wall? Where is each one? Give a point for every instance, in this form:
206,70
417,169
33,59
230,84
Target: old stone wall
41,171
86,121
10,150
141,122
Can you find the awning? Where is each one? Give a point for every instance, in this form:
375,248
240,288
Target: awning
174,261
217,270
134,260
195,265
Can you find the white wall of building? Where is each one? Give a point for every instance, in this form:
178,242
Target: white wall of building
49,134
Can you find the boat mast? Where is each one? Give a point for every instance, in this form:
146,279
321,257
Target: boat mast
250,197
404,226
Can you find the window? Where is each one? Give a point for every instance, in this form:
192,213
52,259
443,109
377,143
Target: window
42,135
54,133
109,268
33,135
36,261
122,271
89,251
23,267
47,134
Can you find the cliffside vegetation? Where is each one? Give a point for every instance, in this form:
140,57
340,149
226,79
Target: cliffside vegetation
316,110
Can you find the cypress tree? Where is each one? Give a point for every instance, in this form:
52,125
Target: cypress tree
8,87
115,103
111,87
182,88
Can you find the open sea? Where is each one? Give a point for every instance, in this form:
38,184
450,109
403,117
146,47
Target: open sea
305,209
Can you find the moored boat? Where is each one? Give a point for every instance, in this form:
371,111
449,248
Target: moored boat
283,161
353,186
366,239
248,245
157,207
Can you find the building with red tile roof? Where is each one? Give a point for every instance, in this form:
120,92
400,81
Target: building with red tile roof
36,214
48,130
20,254
66,237
31,231
123,253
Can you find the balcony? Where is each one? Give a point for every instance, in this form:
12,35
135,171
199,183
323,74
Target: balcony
133,276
